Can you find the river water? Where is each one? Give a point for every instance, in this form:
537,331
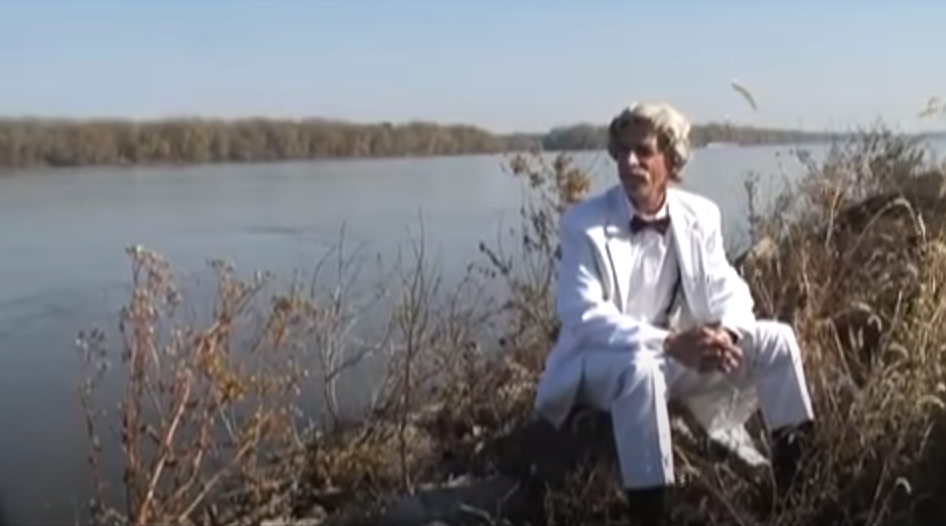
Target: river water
63,266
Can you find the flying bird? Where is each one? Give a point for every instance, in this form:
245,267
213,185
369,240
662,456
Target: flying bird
746,94
933,106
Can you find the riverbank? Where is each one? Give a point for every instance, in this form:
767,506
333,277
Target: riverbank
854,259
61,143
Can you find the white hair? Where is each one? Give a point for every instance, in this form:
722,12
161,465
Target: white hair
671,126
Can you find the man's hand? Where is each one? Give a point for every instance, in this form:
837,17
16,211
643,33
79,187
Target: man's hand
705,348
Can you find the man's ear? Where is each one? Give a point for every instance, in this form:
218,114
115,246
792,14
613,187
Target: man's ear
671,161
672,164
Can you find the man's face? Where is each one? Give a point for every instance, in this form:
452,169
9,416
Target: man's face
643,167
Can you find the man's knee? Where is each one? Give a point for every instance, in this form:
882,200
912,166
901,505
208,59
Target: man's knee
609,376
776,342
643,374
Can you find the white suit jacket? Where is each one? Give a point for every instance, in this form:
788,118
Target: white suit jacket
592,290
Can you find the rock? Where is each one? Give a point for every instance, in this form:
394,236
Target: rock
529,460
540,451
455,504
316,516
927,190
923,194
878,239
306,521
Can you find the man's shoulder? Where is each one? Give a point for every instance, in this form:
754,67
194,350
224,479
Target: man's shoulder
700,208
596,210
593,211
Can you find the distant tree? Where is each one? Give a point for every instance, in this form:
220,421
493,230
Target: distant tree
28,143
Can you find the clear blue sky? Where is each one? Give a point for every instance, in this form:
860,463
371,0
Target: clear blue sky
501,64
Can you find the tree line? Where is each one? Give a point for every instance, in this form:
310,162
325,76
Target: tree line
27,143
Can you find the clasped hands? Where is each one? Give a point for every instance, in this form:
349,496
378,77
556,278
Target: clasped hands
705,348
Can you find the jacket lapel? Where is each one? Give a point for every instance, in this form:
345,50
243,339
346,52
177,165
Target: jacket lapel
682,229
618,243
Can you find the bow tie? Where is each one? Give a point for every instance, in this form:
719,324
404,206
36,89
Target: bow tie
660,225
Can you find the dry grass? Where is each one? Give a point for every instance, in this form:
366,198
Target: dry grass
205,416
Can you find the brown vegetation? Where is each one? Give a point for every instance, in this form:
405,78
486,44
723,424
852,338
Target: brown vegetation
26,143
208,433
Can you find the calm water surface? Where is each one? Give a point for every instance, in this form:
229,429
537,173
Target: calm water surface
62,235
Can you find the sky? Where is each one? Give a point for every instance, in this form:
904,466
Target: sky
505,65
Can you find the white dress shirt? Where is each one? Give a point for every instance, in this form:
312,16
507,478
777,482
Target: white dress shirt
653,272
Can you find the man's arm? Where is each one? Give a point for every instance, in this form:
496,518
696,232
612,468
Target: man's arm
730,299
580,302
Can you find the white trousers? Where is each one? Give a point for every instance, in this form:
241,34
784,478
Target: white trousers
635,389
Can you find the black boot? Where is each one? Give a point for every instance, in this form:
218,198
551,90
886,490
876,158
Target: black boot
789,445
647,507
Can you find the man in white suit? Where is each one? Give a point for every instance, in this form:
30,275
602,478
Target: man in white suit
652,311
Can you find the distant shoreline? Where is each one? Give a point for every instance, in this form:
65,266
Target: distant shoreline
6,171
27,144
